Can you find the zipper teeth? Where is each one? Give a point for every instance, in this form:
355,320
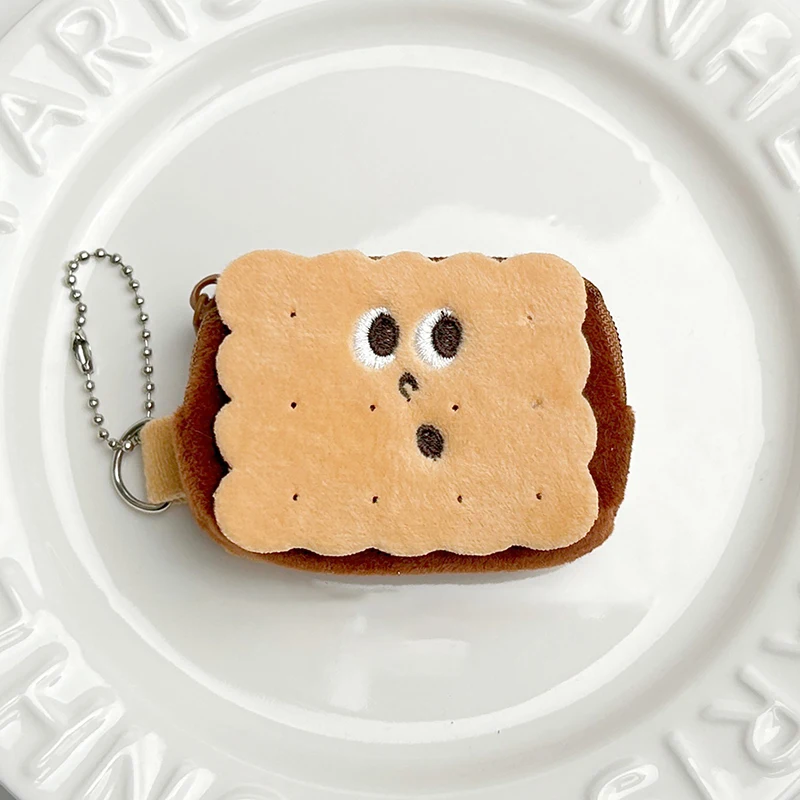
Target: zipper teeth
612,333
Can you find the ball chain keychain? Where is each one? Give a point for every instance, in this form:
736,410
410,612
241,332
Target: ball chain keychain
82,352
296,500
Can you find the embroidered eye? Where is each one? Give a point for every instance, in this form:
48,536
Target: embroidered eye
438,338
376,338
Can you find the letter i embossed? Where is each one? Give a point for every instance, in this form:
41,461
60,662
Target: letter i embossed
170,14
785,645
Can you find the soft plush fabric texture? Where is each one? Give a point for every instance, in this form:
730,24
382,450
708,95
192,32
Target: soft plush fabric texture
161,470
202,468
329,451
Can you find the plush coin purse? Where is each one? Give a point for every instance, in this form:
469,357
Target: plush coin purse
400,414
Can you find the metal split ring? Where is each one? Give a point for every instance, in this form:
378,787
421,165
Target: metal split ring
131,437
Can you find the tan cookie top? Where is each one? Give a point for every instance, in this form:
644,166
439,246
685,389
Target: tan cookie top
404,404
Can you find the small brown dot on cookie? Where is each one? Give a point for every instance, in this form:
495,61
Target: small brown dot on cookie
375,499
538,495
295,496
372,408
294,405
293,314
455,408
460,499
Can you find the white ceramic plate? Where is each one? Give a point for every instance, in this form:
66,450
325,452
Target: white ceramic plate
654,143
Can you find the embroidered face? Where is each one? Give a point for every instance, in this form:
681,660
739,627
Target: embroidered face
437,340
404,404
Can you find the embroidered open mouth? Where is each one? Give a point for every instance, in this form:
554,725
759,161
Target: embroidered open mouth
430,441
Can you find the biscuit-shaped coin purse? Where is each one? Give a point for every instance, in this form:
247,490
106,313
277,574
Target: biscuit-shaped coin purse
401,414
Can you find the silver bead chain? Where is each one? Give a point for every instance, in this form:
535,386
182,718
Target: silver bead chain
83,352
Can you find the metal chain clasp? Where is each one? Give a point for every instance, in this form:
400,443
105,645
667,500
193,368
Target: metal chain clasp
82,352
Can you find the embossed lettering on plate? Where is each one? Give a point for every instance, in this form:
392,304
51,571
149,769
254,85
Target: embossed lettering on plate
9,218
252,793
28,112
83,736
680,25
784,152
15,617
784,644
129,768
55,732
187,782
569,5
88,37
73,727
171,16
772,730
625,781
118,777
228,9
64,724
761,49
706,778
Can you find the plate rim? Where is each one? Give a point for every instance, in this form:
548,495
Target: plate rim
623,778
